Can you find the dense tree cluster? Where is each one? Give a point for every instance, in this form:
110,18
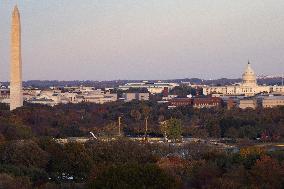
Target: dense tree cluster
121,163
73,120
30,156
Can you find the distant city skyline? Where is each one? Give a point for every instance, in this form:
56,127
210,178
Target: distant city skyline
151,39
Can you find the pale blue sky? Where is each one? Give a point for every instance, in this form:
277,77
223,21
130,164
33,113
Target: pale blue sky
145,39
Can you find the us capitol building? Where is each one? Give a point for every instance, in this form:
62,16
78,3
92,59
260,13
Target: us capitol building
248,87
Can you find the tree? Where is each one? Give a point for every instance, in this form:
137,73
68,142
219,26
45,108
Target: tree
36,175
203,174
236,177
10,182
24,153
183,91
197,132
172,129
71,161
196,151
110,129
250,155
135,114
145,109
212,126
251,151
15,132
174,166
248,131
71,131
120,152
129,176
232,132
267,173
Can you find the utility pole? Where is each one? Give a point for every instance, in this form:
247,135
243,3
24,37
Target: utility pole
119,124
146,128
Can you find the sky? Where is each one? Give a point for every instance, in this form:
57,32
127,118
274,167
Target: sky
144,39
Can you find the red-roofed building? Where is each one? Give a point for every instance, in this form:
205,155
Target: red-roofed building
207,102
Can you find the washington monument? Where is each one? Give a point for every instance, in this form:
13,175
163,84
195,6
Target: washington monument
16,93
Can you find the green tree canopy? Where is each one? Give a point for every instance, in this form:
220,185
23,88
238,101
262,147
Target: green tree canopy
172,128
129,176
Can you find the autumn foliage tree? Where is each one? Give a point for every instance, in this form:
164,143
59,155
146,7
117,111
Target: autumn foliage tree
267,173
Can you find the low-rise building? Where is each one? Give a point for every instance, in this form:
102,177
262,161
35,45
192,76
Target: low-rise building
248,103
4,95
272,101
43,101
276,89
207,102
75,95
135,96
204,102
169,97
98,98
29,93
176,102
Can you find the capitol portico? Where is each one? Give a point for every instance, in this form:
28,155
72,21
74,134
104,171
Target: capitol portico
248,87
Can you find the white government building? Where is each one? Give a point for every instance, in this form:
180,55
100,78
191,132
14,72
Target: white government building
153,87
248,87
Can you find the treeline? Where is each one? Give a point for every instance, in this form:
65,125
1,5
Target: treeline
73,120
43,163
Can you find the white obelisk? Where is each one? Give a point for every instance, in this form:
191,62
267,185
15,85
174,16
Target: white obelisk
16,93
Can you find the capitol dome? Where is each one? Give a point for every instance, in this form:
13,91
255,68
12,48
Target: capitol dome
249,77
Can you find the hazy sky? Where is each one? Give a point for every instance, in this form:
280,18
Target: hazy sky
145,39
